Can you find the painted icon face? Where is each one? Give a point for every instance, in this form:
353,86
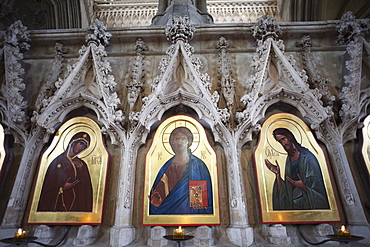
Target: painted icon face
79,146
180,143
285,142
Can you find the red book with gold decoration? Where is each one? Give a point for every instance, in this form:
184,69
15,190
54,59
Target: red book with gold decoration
198,193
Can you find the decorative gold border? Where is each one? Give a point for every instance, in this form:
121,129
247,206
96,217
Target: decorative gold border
160,152
269,148
96,158
366,143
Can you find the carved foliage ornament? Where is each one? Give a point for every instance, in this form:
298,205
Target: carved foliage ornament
180,29
348,28
49,87
266,27
99,34
226,81
317,81
16,38
135,86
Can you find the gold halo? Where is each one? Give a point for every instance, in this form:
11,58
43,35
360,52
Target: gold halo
180,123
72,131
282,123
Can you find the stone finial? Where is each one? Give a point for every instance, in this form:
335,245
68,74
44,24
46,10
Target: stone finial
17,35
136,85
180,29
266,27
99,34
348,28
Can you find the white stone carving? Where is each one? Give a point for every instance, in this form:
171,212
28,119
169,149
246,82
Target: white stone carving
85,236
135,86
265,28
317,82
224,11
156,237
353,98
180,74
278,235
181,82
354,101
49,87
126,13
203,236
180,29
99,34
322,230
276,78
348,28
44,235
73,91
226,82
116,13
13,105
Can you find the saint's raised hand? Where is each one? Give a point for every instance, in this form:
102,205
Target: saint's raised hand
273,168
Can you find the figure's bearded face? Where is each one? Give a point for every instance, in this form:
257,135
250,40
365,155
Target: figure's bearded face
180,143
285,142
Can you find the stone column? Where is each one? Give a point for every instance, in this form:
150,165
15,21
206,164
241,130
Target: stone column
123,233
239,232
354,211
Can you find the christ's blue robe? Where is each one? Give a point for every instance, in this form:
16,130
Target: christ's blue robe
177,201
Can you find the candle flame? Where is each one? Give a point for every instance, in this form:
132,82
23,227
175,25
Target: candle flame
343,228
180,230
20,231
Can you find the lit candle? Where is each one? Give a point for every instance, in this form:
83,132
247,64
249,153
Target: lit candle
20,234
343,232
178,233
